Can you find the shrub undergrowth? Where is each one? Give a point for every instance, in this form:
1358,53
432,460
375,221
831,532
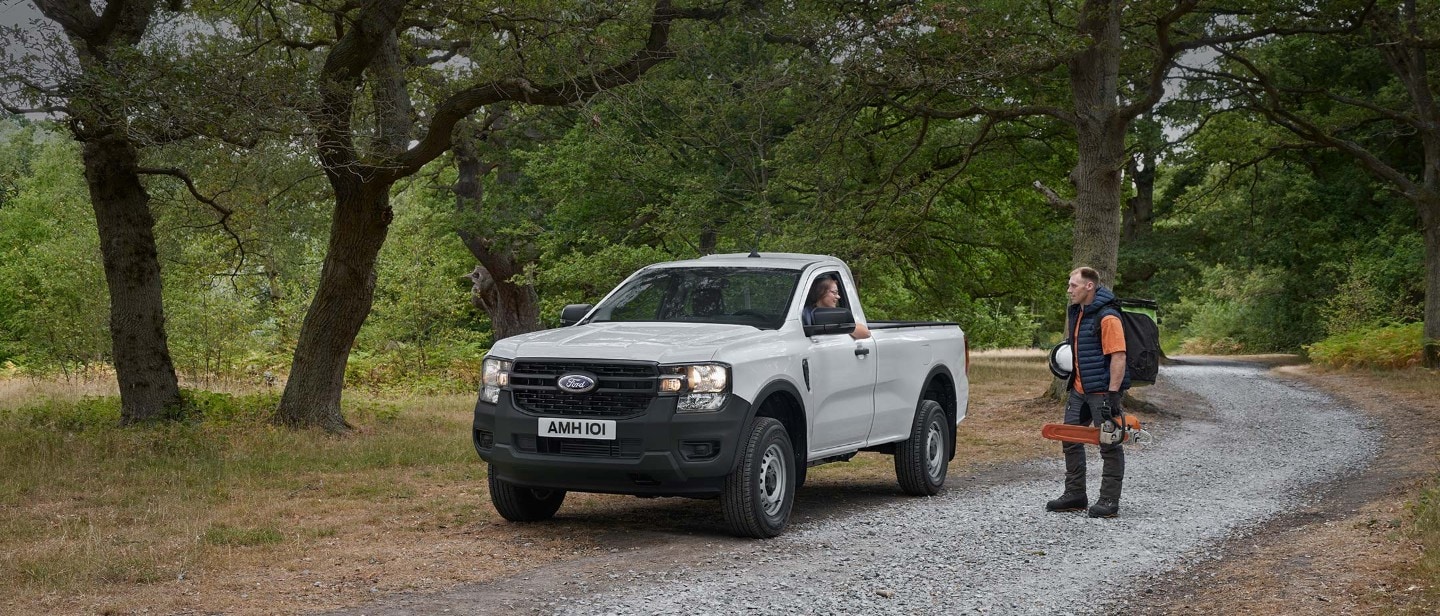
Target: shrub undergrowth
1384,347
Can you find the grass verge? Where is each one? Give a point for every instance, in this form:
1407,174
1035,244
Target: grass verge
227,513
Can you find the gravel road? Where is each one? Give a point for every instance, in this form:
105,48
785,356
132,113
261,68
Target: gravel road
1262,448
1249,448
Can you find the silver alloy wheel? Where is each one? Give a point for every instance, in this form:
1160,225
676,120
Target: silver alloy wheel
934,451
772,480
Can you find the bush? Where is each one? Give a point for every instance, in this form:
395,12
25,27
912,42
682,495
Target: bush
993,326
1383,284
1255,311
1387,347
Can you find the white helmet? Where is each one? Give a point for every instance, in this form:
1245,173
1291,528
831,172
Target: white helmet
1062,361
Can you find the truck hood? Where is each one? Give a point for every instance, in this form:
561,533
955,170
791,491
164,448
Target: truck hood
660,342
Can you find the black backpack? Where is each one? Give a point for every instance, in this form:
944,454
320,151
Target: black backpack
1142,339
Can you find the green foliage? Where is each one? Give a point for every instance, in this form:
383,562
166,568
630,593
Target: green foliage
423,334
1257,246
54,306
1383,283
1232,311
1321,247
1386,347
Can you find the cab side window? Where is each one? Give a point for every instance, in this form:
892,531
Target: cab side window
825,290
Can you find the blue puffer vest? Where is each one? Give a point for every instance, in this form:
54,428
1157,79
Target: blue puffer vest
1091,363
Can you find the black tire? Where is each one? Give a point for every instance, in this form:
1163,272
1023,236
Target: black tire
760,492
922,461
522,504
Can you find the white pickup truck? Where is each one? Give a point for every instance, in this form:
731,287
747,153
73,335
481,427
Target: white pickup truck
710,377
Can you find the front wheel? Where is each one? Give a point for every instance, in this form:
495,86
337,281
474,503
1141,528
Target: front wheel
522,504
760,492
922,461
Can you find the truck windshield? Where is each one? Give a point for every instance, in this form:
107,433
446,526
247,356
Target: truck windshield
757,297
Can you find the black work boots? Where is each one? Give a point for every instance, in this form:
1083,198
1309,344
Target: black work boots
1112,477
1105,508
1069,501
1076,501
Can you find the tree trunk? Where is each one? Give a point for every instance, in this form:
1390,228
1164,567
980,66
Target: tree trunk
149,389
514,308
1137,220
342,301
1139,215
1100,136
1097,200
710,238
1430,228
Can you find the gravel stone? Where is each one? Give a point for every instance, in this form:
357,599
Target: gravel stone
1266,448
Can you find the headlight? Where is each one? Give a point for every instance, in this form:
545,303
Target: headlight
702,387
707,378
494,375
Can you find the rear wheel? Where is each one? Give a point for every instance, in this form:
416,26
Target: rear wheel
760,492
922,461
523,504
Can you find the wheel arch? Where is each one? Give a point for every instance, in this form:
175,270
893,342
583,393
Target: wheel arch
780,399
940,387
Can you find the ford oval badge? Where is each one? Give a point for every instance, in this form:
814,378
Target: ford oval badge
576,383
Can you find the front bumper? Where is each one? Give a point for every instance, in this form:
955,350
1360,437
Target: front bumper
657,453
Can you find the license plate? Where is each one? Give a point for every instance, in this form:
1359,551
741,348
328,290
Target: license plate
597,429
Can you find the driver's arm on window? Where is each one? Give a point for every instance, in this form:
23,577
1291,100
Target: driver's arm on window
861,332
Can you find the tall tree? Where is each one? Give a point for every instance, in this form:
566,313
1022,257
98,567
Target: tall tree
96,99
1348,109
1115,58
384,57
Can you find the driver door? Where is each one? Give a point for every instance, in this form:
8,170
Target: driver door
842,384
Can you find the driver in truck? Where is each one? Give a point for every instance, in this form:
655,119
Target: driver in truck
825,293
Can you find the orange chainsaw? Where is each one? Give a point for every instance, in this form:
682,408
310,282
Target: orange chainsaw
1128,430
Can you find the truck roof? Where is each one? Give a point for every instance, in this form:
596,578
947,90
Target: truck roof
782,260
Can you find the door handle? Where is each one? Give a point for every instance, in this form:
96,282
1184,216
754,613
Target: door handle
861,351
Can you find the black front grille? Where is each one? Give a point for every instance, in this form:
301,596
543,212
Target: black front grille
622,389
580,447
594,404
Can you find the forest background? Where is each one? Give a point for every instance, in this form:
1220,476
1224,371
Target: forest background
1271,192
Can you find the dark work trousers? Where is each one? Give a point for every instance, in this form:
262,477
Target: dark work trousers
1084,410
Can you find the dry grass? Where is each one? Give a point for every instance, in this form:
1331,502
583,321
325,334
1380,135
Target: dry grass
1415,393
229,514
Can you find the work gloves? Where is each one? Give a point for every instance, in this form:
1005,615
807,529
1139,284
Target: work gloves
1110,412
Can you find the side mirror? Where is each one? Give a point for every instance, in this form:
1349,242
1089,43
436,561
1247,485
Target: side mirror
825,321
572,314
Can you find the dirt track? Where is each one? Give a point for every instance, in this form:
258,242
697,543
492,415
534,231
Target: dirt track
994,550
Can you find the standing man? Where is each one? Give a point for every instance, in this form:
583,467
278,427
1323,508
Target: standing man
1097,340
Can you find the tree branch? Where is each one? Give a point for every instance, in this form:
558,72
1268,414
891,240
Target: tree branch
437,138
225,213
1167,50
340,76
996,114
1308,130
1052,197
46,109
